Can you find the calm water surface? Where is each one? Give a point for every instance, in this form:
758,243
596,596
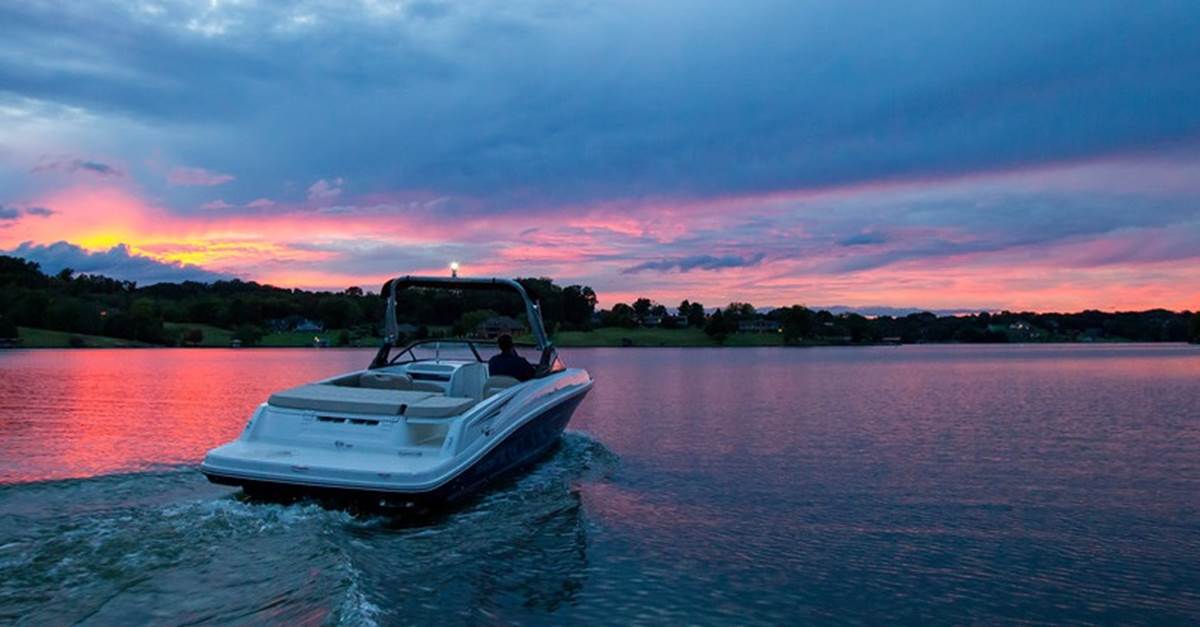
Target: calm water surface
944,484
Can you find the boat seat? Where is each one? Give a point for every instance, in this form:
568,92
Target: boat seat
333,398
497,383
395,381
385,380
439,407
470,380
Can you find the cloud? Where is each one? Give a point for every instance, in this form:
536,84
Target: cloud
71,166
863,239
325,190
118,262
701,262
842,144
14,213
895,312
554,104
217,205
188,177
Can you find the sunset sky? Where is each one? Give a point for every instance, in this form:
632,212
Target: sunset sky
943,155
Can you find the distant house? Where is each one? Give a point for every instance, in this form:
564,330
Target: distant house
758,326
293,323
651,322
308,326
496,326
1019,331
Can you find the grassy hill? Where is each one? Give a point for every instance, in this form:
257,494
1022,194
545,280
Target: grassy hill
213,336
616,336
306,338
45,338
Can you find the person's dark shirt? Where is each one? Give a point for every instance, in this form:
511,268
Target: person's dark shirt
510,364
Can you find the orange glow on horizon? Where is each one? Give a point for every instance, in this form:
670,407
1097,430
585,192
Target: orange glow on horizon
299,246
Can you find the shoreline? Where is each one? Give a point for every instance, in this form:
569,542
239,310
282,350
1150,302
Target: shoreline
141,346
604,337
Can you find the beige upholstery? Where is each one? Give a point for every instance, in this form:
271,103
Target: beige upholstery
439,407
385,381
333,398
495,384
469,381
396,381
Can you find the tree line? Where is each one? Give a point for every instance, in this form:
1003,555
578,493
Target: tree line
98,305
90,304
798,324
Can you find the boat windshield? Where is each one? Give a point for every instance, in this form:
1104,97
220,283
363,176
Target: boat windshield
454,349
439,350
460,319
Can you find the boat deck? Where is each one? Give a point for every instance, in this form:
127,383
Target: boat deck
373,401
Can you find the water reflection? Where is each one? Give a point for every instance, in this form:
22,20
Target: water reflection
80,413
912,484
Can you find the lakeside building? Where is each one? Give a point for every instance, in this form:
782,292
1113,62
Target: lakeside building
496,326
294,323
309,326
758,326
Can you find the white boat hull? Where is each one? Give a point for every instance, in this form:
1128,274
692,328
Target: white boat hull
371,456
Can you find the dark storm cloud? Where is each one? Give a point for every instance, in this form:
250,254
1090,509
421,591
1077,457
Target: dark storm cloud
118,262
538,103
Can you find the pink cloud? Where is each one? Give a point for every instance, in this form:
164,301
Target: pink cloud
325,190
950,244
189,177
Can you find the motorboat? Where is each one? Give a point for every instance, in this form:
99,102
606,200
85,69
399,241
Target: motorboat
424,423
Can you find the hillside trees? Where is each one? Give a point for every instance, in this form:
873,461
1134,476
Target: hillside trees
796,322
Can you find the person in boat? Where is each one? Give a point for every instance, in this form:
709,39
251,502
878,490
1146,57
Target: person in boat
507,363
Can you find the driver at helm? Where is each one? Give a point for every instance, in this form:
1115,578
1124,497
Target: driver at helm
507,363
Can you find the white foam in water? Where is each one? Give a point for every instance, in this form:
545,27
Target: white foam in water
355,608
122,530
269,516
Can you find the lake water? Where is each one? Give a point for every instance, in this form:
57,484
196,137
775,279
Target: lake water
730,486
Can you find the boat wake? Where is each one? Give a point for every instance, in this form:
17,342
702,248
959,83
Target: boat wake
167,546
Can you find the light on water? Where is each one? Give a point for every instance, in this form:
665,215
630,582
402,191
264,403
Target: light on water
954,484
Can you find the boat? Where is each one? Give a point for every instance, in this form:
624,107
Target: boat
425,423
